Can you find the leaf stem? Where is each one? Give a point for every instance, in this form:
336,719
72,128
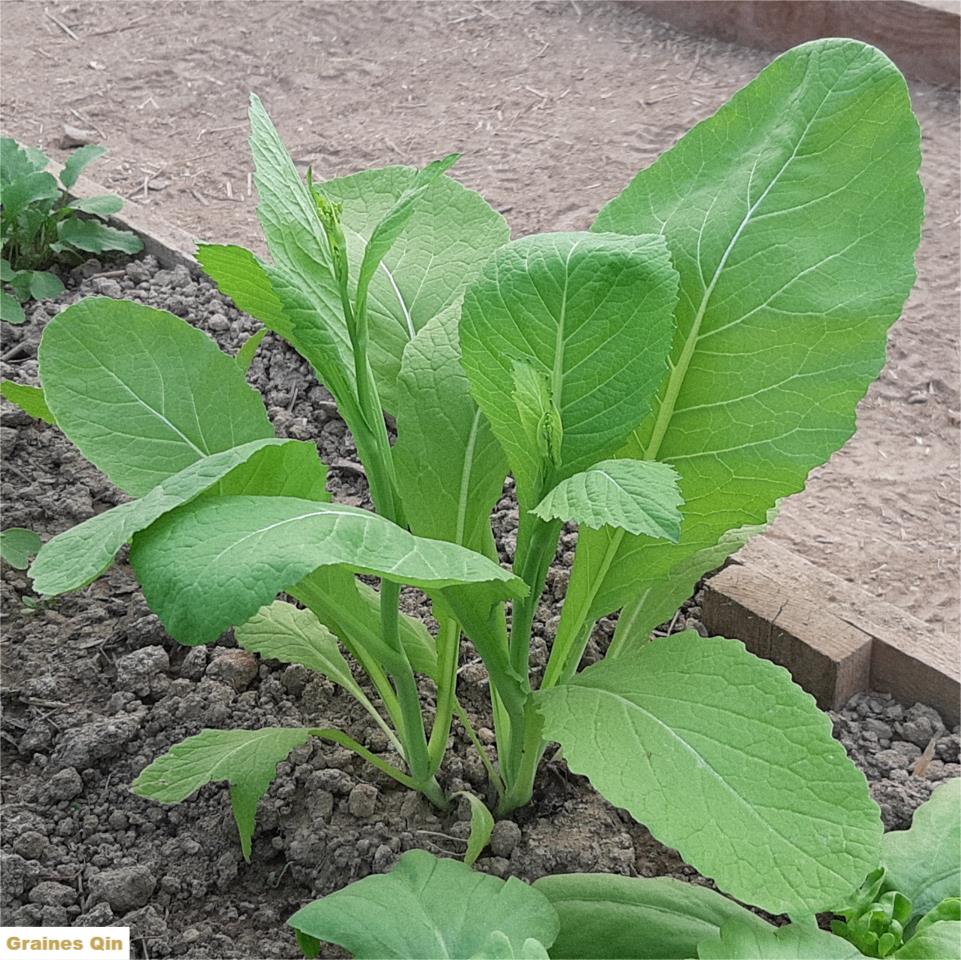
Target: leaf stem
448,656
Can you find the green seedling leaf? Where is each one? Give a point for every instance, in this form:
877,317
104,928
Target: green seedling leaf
17,195
78,161
450,468
79,555
592,316
44,285
793,826
246,759
281,631
245,355
924,862
142,393
609,917
742,941
10,309
938,941
17,161
6,271
18,545
481,827
447,233
426,907
105,205
212,564
793,216
95,237
29,399
639,496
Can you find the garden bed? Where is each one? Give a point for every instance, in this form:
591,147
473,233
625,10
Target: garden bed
94,690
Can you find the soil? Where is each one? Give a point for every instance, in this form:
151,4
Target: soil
555,107
94,689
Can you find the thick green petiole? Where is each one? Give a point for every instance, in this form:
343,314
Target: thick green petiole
448,655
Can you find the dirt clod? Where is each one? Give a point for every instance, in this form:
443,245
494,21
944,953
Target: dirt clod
124,888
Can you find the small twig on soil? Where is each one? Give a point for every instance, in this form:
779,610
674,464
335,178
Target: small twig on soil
280,876
923,762
61,24
15,351
88,122
43,53
38,702
393,146
347,466
293,397
118,28
577,9
200,198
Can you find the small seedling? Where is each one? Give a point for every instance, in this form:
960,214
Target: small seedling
40,224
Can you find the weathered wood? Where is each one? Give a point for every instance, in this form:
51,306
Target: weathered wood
830,658
835,638
922,38
169,244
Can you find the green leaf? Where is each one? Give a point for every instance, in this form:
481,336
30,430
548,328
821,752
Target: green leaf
17,161
608,917
793,216
247,352
924,862
310,323
351,609
281,631
939,941
19,194
447,236
142,393
481,826
499,947
79,555
78,161
388,231
427,907
18,545
104,205
29,399
450,468
93,236
773,809
10,309
589,314
639,496
6,271
44,285
213,564
742,941
246,759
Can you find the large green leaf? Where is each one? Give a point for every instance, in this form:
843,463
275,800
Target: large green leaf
564,339
104,205
792,215
797,941
924,863
639,496
446,238
773,810
268,466
10,309
608,917
212,564
29,399
247,759
426,907
935,940
18,194
450,468
309,321
142,393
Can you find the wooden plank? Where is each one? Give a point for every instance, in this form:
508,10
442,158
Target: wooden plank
826,615
830,658
922,38
169,244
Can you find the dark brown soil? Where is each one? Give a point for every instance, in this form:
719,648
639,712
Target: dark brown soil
93,690
555,107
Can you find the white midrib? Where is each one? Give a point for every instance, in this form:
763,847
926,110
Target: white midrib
679,372
408,319
557,374
465,476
